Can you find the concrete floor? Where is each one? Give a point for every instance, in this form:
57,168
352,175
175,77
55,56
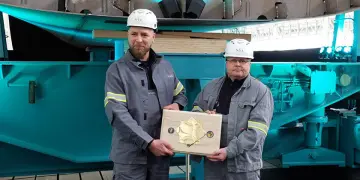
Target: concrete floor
269,172
98,175
101,175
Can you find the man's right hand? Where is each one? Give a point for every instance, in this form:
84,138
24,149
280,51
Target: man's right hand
210,112
160,148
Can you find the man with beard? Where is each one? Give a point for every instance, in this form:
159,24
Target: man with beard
138,86
247,108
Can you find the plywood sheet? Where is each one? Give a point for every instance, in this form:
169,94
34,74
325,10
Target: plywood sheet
181,42
187,45
191,132
223,36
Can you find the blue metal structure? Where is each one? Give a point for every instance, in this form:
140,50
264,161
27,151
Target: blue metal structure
52,118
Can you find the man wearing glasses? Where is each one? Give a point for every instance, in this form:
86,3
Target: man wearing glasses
247,108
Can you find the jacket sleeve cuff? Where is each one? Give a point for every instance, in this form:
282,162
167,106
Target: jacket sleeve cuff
148,144
229,154
146,140
181,102
233,150
181,107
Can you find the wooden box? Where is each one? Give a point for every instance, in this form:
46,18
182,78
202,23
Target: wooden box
191,132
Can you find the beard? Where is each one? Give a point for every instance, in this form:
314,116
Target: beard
139,53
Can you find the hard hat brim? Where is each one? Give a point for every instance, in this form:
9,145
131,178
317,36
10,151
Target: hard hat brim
232,55
136,25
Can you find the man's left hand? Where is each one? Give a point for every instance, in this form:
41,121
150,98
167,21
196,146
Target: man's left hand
173,106
219,155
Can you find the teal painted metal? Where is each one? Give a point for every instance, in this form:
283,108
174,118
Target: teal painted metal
17,161
291,93
313,157
338,26
355,48
349,138
313,153
303,99
3,45
56,109
55,82
67,122
323,82
118,49
61,133
77,28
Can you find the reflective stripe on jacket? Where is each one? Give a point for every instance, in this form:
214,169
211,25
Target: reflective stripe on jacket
126,93
250,114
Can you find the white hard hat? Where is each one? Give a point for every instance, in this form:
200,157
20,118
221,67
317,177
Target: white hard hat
142,18
239,48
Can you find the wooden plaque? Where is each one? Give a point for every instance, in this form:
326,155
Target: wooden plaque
191,132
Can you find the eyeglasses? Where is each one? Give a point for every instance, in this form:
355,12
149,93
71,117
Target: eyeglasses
241,61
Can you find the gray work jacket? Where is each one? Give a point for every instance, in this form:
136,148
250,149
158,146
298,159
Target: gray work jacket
126,92
250,114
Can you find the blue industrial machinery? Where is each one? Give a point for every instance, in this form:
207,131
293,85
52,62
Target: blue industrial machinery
52,118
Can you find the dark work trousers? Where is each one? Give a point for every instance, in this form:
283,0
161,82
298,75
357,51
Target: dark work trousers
218,171
157,168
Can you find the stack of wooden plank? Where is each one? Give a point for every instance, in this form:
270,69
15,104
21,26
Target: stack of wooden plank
182,42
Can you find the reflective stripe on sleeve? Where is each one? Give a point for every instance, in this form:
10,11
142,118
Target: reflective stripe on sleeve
259,126
114,96
197,108
178,89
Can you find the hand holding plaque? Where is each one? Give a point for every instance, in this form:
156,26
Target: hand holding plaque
191,132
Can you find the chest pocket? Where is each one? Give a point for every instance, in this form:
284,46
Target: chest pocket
165,83
211,103
244,109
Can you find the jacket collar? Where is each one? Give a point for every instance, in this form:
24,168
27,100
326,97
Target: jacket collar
136,62
246,84
247,81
